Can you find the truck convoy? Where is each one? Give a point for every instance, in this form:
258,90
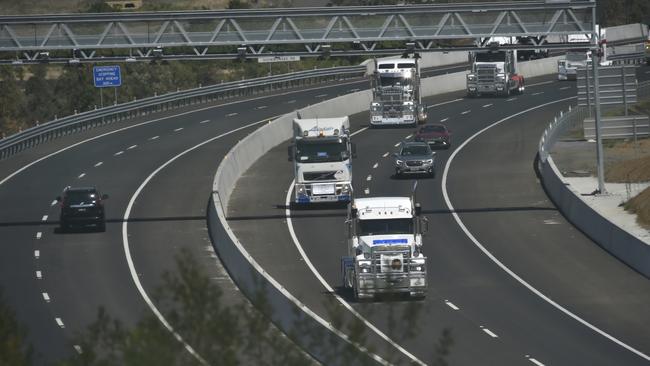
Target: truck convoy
396,98
493,72
385,248
322,153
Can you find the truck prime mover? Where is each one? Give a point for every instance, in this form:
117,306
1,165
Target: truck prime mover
494,72
396,98
322,153
385,248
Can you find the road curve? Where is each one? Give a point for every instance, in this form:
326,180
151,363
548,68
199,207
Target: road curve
495,192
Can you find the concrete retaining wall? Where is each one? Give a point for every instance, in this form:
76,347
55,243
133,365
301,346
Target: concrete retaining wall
623,245
249,276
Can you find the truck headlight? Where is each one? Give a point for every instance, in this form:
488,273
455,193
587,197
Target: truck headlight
500,77
399,162
345,189
471,77
302,191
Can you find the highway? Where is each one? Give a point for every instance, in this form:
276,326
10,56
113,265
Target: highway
576,305
56,282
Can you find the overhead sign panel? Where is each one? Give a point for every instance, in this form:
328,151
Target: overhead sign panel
107,76
278,59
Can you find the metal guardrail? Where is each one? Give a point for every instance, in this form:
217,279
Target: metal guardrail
120,112
619,127
572,120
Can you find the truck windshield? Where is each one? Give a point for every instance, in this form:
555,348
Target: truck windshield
499,56
385,227
576,56
322,150
394,81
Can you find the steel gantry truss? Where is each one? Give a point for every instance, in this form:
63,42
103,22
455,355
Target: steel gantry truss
335,31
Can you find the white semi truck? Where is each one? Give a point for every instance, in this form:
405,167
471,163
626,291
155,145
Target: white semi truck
385,248
322,155
494,72
396,98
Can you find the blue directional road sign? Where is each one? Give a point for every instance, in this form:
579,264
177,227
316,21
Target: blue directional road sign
107,76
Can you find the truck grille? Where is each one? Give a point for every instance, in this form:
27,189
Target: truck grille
486,74
307,176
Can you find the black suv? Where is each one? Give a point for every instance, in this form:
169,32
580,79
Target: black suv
82,207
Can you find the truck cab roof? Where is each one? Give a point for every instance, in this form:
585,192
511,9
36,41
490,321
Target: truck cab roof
374,208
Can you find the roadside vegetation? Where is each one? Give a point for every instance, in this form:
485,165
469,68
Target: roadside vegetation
224,335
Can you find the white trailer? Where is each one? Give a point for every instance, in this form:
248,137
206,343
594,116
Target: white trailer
322,155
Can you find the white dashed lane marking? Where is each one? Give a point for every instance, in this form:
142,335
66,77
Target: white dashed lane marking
375,166
119,153
444,119
511,99
154,138
260,107
232,114
369,178
78,348
397,144
99,164
487,105
538,93
409,136
81,175
59,322
489,332
132,147
39,235
366,191
44,218
37,254
178,129
534,361
291,101
53,203
465,112
205,121
451,305
565,87
39,275
321,95
385,155
46,297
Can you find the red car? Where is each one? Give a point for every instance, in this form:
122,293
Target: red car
434,134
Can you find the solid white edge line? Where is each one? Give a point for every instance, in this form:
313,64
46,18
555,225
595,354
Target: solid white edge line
127,249
27,166
497,261
329,288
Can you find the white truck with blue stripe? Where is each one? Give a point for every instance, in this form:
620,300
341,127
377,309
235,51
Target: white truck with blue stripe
385,248
322,154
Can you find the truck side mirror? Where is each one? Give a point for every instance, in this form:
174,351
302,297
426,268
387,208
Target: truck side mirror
353,212
290,152
418,209
425,225
353,147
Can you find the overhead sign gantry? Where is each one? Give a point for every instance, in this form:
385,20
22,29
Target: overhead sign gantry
331,31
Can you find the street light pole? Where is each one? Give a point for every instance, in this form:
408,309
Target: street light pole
595,54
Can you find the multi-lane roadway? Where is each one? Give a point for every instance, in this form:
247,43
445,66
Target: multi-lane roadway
158,172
